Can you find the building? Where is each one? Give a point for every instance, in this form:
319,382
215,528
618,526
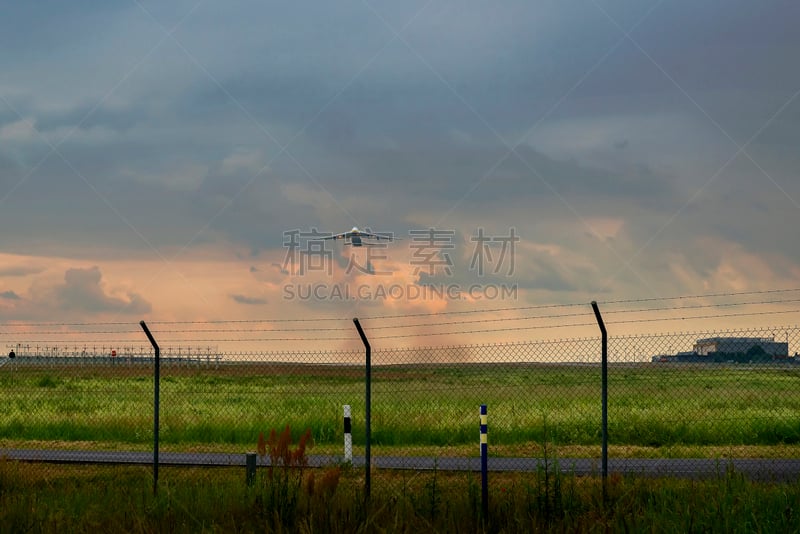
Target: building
741,345
733,350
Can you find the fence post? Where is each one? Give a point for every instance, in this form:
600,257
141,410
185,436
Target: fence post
368,402
348,436
157,388
484,465
250,468
604,392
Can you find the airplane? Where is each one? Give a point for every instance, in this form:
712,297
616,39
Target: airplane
357,238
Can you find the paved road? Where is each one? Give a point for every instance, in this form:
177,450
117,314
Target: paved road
754,468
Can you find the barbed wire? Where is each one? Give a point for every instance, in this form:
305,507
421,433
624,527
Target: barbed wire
203,340
250,335
631,321
698,306
581,314
712,316
575,304
707,295
185,331
420,334
218,321
426,314
384,327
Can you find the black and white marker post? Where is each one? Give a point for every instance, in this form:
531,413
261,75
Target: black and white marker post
348,436
484,464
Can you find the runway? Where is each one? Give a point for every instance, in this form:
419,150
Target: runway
764,469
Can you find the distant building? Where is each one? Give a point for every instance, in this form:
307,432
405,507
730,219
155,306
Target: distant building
732,349
741,345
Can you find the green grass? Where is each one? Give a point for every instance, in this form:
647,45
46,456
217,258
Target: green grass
48,498
415,407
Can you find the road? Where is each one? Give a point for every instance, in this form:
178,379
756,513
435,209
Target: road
767,469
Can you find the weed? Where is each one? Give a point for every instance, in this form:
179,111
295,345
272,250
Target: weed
47,381
284,478
433,494
50,498
545,499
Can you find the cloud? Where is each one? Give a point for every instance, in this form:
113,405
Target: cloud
350,125
664,142
9,295
243,159
20,270
186,177
276,266
21,130
252,301
82,291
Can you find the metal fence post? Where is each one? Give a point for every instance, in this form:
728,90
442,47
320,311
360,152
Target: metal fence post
368,402
484,465
250,468
604,392
157,388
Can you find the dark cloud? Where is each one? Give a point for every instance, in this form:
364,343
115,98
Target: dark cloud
20,270
489,266
82,294
85,117
276,266
314,116
82,291
251,301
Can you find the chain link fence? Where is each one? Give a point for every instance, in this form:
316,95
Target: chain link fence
683,404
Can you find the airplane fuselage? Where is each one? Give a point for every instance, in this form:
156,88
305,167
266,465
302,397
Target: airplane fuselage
358,238
355,237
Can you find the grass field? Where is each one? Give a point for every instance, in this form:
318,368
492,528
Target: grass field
47,498
654,409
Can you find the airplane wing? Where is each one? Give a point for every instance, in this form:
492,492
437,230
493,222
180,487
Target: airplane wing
343,235
379,236
357,236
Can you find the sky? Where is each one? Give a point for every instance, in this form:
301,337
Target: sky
157,158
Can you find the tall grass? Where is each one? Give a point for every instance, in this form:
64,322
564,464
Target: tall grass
46,498
649,405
